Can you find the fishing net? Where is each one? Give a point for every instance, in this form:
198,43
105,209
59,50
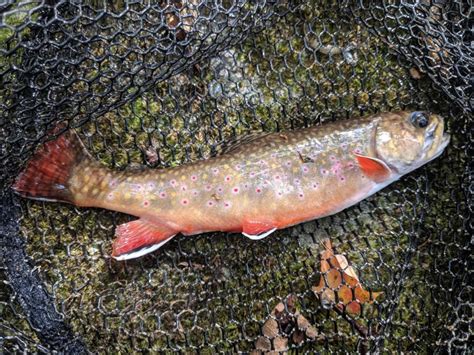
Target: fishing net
162,83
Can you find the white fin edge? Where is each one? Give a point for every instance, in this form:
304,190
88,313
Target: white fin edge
142,251
259,236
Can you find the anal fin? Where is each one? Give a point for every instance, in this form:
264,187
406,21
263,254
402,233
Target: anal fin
137,238
256,230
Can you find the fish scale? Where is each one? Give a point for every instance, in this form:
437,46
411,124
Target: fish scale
258,185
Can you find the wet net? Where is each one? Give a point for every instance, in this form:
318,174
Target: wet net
162,83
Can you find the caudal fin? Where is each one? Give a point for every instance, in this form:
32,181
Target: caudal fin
47,174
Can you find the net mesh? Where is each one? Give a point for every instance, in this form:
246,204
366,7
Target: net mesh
163,83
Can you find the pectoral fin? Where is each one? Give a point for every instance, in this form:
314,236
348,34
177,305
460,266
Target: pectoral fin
138,238
375,169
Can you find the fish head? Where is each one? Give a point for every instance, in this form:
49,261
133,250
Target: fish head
407,140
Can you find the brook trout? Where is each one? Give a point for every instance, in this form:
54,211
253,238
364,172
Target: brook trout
258,185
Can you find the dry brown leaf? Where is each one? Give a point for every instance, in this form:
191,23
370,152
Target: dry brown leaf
338,277
270,328
280,343
263,344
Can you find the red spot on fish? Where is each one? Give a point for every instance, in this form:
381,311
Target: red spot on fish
184,202
258,190
332,157
146,203
358,151
315,185
342,178
227,204
163,194
280,193
183,188
215,171
173,182
305,169
195,192
324,171
288,163
238,166
300,195
350,165
235,190
277,177
194,177
208,188
210,203
220,189
228,178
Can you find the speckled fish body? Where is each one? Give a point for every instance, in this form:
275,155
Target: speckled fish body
260,185
280,179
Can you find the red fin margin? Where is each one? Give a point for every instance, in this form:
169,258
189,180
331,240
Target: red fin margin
137,238
375,169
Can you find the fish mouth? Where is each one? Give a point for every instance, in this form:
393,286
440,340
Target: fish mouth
434,145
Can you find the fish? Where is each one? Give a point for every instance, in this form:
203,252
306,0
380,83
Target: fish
256,185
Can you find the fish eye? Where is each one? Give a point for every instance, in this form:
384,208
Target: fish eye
419,119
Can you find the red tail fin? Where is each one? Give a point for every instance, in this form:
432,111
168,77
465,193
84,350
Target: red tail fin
47,174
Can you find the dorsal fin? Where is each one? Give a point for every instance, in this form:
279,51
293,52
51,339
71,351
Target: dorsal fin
235,143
